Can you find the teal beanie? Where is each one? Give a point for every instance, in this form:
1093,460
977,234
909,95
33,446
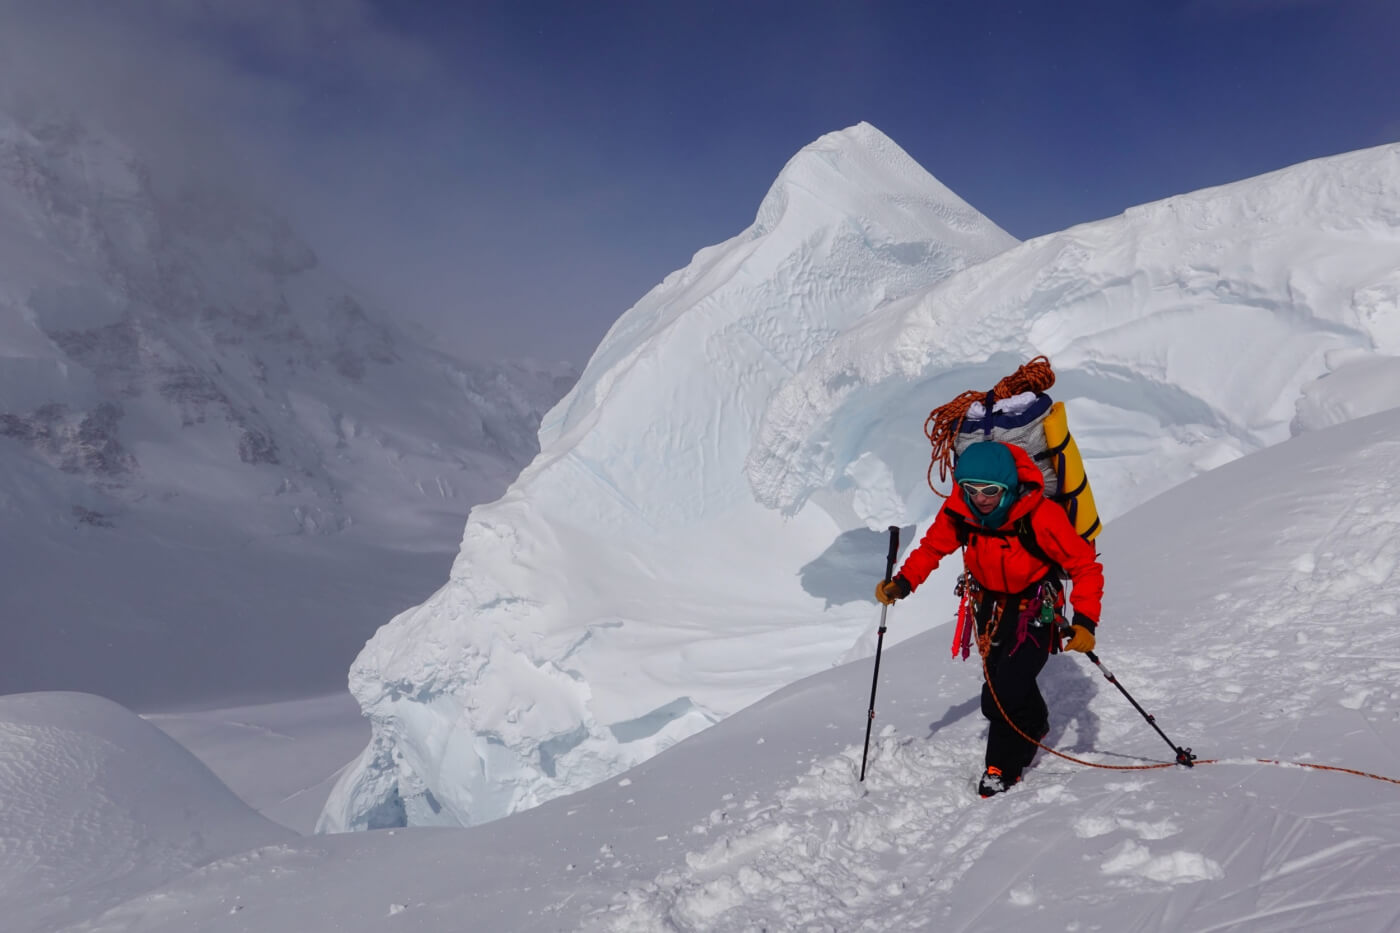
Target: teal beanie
990,462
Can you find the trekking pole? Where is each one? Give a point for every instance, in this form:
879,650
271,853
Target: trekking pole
879,643
1184,756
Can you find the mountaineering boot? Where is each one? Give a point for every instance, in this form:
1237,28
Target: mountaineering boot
994,782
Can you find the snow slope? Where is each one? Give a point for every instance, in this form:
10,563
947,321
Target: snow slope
1253,613
281,758
180,375
1250,609
99,804
696,530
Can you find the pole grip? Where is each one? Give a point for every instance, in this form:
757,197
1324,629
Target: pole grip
893,554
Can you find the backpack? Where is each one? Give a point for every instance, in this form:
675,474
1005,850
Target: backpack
1018,411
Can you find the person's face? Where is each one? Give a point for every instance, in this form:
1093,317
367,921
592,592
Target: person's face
983,496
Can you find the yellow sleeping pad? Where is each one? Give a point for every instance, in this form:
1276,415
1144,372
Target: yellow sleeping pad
1074,493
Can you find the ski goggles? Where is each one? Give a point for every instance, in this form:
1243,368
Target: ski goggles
971,488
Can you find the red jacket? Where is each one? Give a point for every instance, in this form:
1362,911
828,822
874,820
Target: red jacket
1003,564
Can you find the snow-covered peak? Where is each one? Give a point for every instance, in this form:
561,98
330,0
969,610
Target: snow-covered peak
850,223
860,175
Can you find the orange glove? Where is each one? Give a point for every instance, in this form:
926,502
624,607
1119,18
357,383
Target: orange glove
1081,638
887,591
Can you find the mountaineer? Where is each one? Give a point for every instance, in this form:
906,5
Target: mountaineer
1018,546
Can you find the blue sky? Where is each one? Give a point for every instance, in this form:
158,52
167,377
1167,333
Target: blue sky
516,174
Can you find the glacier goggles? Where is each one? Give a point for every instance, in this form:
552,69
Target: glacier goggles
975,488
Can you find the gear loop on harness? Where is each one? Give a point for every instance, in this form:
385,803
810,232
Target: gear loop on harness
1038,605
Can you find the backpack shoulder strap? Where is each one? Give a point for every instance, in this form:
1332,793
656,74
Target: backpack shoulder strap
961,527
1022,530
1025,531
966,529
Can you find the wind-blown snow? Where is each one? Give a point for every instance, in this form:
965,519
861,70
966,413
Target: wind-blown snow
696,530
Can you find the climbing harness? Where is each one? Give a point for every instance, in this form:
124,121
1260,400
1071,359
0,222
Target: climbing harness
1041,608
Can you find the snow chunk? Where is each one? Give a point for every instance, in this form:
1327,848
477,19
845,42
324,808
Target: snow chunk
1131,858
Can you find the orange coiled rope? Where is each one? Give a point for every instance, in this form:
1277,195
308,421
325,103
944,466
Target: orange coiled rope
943,423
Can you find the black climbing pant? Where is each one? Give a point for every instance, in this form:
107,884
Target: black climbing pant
1013,670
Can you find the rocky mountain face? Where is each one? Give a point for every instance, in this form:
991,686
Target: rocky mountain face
217,460
168,340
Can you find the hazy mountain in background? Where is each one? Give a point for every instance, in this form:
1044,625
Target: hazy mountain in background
187,393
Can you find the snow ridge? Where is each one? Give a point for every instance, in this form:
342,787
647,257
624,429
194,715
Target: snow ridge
1191,328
